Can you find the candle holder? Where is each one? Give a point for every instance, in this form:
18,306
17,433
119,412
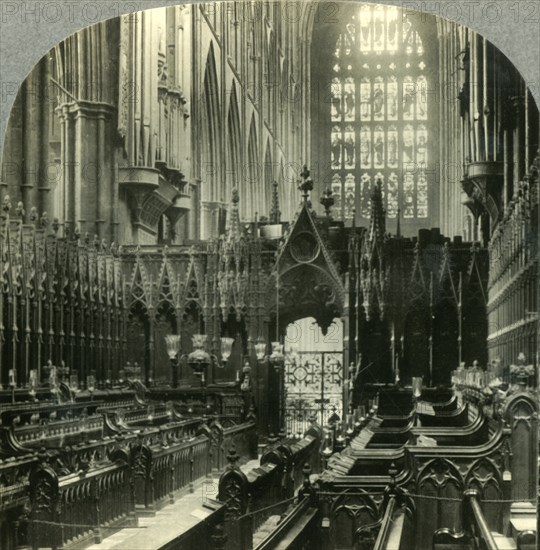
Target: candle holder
12,383
74,386
32,382
91,385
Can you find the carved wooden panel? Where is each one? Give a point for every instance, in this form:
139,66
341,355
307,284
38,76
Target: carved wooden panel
522,417
349,513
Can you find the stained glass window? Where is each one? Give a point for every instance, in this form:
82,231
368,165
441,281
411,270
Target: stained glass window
379,115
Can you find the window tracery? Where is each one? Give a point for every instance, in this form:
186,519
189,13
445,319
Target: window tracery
379,115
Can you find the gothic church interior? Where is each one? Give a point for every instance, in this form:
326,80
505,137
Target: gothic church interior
270,280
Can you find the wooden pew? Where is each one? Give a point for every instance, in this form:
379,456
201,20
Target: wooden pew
252,496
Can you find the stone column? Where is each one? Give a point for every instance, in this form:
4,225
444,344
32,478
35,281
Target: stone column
88,167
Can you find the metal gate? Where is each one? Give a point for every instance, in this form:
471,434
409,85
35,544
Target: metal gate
314,389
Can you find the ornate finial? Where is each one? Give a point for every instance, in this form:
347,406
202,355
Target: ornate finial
275,212
165,250
219,537
306,490
103,245
87,238
33,215
251,413
378,221
232,229
44,221
114,249
76,234
138,250
6,205
96,242
43,455
55,225
232,457
327,200
20,211
392,472
306,185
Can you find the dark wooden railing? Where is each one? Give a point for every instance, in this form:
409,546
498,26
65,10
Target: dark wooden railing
242,436
251,497
475,521
81,494
384,531
297,529
163,468
60,452
75,508
159,472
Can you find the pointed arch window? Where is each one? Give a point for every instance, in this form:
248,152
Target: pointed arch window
380,124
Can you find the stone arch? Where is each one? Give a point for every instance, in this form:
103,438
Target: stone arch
305,291
252,173
234,149
267,180
211,129
521,414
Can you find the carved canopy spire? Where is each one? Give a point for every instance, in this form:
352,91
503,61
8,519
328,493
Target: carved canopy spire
232,230
378,219
373,270
275,212
232,276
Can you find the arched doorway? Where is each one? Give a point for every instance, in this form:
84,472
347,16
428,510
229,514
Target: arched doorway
313,374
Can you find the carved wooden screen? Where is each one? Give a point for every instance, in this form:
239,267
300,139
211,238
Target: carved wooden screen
379,115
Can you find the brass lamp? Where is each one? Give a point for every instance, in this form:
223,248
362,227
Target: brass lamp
260,348
417,386
277,358
172,342
226,348
199,359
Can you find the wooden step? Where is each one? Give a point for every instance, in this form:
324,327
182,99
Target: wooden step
504,543
522,518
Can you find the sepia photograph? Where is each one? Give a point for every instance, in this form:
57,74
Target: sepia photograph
269,275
